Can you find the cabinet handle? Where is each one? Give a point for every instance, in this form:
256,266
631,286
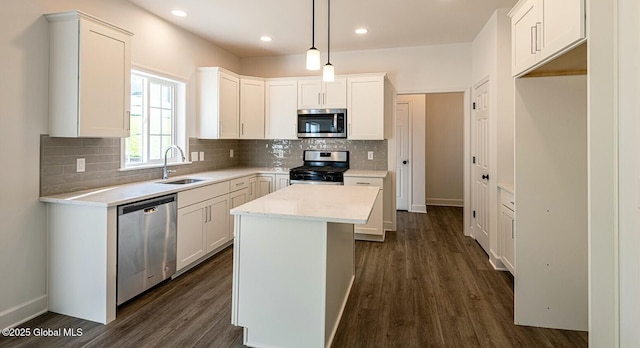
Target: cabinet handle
128,120
242,128
349,128
534,40
363,183
513,228
538,36
240,183
319,102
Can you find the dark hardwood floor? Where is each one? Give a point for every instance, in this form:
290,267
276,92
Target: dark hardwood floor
426,286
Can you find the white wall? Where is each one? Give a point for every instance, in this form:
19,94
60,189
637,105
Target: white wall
491,51
24,44
444,148
438,68
629,170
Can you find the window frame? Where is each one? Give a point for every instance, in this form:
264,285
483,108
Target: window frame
179,122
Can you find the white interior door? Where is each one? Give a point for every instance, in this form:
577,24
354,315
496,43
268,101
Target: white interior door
402,155
480,166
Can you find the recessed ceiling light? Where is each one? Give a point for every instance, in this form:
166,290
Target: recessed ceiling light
361,31
265,38
179,13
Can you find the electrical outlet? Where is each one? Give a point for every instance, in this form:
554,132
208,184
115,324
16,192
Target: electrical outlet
370,155
80,165
202,155
231,153
194,157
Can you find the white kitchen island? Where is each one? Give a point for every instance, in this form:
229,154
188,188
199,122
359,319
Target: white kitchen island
293,263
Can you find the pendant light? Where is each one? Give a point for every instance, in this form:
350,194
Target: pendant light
328,73
313,54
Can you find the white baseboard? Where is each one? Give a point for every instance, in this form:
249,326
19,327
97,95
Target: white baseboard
496,262
446,202
418,208
24,312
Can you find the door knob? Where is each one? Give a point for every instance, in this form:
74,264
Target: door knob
404,162
485,176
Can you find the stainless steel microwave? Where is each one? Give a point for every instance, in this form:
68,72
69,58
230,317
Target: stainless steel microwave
322,123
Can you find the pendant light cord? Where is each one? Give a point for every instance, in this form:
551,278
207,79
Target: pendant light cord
328,31
313,24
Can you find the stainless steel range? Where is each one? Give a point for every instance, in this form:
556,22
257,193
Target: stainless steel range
321,168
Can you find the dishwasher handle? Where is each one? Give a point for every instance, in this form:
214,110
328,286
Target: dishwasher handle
145,205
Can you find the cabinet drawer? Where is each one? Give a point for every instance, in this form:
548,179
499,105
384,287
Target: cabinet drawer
239,184
507,199
363,181
189,197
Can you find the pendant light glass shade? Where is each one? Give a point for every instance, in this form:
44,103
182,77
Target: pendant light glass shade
313,59
328,73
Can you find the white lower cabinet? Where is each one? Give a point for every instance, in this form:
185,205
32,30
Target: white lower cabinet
217,224
282,181
203,222
507,231
374,229
239,195
264,184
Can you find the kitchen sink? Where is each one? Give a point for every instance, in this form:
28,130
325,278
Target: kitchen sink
181,181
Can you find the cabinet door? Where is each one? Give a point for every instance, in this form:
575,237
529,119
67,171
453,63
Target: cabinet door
104,81
563,25
281,109
282,181
251,109
229,112
217,222
334,94
508,238
265,185
190,241
524,37
365,116
253,189
310,94
236,199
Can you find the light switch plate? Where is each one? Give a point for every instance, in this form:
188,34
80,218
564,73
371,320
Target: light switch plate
370,155
80,165
202,155
231,153
194,157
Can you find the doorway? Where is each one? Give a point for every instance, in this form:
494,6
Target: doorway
430,133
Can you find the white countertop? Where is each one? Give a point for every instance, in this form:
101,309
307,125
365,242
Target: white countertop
331,203
366,173
126,193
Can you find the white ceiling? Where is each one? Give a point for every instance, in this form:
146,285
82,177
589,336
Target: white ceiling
237,25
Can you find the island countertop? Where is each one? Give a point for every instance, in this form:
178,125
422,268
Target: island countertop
331,203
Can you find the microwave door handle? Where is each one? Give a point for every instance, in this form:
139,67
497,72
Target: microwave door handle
335,122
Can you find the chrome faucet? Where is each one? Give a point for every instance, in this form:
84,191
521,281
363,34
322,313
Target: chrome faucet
165,172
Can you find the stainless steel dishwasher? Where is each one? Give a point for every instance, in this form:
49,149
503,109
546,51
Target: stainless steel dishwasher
146,245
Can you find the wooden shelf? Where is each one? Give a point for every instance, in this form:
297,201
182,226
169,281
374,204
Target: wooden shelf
571,62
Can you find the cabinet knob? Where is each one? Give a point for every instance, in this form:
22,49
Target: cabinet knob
404,162
485,176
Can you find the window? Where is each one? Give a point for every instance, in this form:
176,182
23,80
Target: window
157,120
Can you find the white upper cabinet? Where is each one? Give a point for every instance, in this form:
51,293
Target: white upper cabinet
252,108
218,95
366,108
313,93
89,77
542,30
281,109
